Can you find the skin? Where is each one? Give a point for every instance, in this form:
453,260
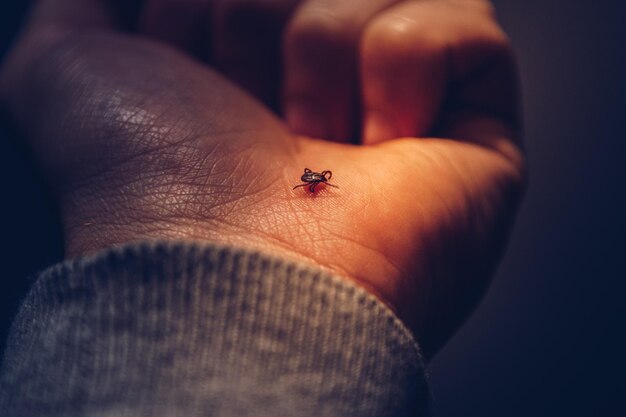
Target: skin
140,139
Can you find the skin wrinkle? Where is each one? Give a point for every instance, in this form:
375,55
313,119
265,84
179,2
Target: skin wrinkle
241,172
129,160
315,238
268,239
210,177
128,197
250,189
399,270
299,218
301,222
251,201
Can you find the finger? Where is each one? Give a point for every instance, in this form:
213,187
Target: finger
246,41
183,23
422,62
320,54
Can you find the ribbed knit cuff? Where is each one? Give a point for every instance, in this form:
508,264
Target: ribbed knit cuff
189,329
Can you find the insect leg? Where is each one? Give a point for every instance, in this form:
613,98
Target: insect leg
301,185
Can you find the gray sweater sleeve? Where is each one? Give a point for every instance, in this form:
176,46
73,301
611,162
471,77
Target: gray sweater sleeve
168,329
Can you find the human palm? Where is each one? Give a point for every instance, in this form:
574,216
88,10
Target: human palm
139,141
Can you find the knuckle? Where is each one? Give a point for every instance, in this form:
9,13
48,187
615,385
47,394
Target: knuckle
493,42
481,25
487,7
320,33
483,6
398,36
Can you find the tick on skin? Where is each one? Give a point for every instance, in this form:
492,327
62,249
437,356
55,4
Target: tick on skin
312,179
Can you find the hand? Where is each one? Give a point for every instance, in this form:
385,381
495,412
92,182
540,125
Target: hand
139,141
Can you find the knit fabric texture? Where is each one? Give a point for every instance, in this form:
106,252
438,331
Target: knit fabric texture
189,329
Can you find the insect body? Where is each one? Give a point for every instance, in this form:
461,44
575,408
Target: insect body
312,179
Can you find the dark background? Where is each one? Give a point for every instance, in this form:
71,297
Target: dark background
550,337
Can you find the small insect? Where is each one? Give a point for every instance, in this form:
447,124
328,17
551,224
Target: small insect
312,179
